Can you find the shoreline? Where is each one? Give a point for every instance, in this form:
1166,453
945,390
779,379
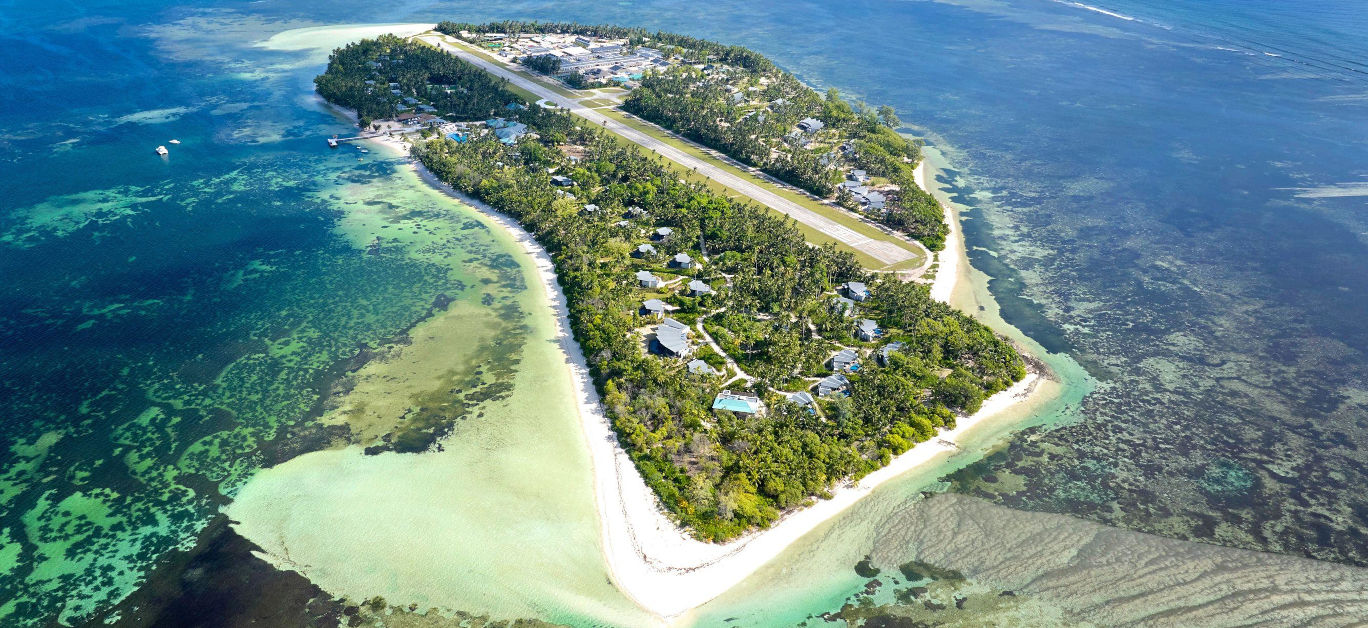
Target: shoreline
651,560
948,259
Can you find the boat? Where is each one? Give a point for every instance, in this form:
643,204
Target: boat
174,141
332,142
161,150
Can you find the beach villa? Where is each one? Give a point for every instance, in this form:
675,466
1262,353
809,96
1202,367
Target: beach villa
739,404
644,251
867,330
855,290
682,260
832,384
672,339
887,350
653,307
845,359
663,233
802,398
647,280
698,288
810,125
699,367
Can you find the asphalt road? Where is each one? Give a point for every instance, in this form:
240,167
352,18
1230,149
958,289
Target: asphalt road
885,251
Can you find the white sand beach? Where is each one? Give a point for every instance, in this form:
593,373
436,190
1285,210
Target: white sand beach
949,259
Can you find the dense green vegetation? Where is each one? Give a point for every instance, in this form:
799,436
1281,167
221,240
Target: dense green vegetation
546,64
773,313
364,75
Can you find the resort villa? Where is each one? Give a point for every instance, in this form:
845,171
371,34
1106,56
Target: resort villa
739,404
832,384
855,290
672,339
867,330
654,308
845,359
647,280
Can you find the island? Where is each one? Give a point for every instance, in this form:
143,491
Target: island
745,370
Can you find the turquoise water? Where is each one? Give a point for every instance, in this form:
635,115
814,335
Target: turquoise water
1171,192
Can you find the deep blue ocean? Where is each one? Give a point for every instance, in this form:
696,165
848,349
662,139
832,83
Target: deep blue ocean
1173,192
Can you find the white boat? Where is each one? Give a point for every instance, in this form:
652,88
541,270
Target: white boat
175,141
161,150
332,142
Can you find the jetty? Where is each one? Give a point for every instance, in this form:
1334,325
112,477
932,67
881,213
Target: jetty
334,140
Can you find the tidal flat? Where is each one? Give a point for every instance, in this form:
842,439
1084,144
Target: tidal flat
498,515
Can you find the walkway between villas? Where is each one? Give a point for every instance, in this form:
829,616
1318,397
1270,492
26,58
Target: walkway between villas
740,374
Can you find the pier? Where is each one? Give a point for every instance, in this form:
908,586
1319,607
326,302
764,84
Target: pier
334,141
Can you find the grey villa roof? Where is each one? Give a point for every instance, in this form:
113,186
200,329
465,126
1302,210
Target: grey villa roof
682,259
867,326
811,125
831,384
674,324
856,290
699,367
645,249
655,306
664,232
801,398
875,199
698,287
844,357
888,349
673,337
645,276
